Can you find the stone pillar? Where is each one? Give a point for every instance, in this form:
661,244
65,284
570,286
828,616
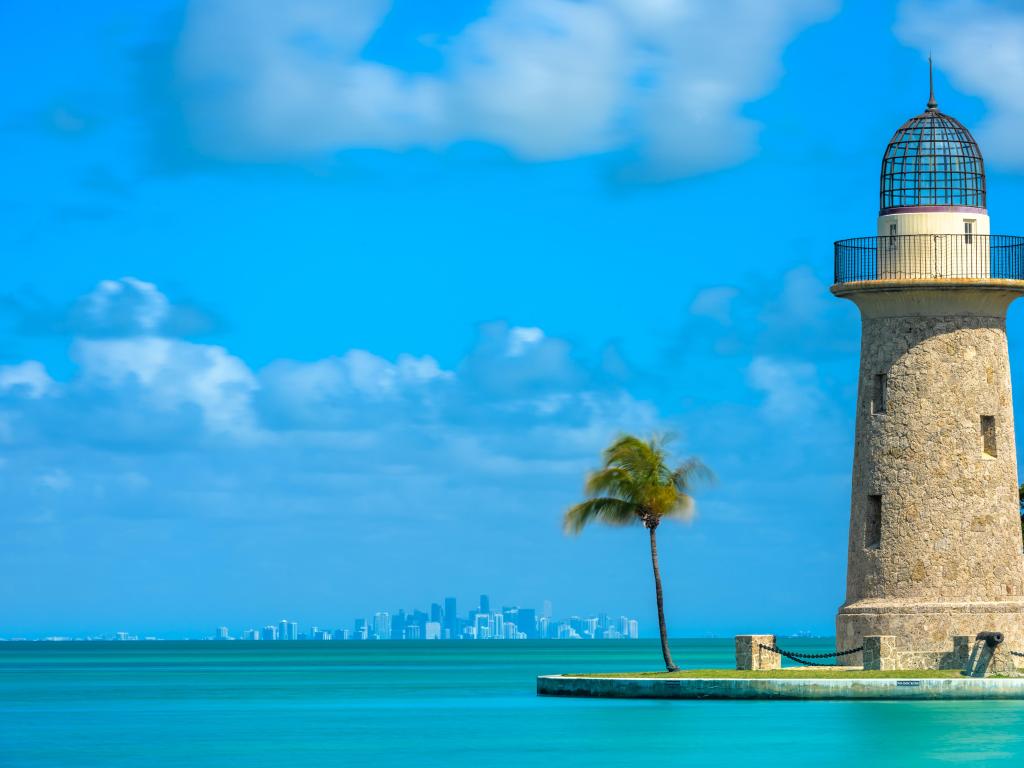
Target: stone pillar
880,652
750,655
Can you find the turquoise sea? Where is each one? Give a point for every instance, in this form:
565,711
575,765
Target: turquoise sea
441,704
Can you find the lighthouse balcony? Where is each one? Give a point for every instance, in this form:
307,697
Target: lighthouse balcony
929,257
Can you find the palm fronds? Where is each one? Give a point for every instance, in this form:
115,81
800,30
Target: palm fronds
636,485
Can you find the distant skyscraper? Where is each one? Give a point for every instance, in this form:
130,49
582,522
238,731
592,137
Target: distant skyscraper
546,611
382,625
293,630
251,634
497,626
269,632
451,618
485,604
435,612
611,633
634,629
527,622
282,630
432,630
361,631
420,619
222,633
482,626
566,632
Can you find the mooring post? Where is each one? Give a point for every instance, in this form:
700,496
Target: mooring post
752,652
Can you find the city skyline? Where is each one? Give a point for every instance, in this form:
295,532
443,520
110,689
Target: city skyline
440,622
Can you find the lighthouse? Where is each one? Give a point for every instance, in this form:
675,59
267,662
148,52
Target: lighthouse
935,538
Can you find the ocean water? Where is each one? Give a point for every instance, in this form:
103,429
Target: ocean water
442,704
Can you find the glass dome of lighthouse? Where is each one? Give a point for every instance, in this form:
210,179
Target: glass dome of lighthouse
932,162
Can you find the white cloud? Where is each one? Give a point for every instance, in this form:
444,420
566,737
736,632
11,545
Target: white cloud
979,44
519,398
344,390
803,303
271,79
547,79
29,378
790,387
514,361
126,305
55,480
171,373
520,339
715,303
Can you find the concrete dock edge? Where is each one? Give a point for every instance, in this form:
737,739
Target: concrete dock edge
781,688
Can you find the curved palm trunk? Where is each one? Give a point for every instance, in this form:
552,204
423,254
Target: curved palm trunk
669,664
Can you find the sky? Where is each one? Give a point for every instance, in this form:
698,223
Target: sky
320,308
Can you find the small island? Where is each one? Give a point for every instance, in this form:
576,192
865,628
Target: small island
935,589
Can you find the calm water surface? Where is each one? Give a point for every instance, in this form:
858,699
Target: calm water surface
440,703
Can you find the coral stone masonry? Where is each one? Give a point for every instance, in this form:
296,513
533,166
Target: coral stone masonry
935,540
752,652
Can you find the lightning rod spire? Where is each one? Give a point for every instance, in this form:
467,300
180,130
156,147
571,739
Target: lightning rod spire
933,105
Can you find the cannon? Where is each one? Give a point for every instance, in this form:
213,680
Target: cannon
992,639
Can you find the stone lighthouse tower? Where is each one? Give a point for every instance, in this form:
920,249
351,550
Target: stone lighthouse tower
935,539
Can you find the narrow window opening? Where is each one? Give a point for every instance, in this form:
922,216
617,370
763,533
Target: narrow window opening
968,230
988,434
880,394
873,523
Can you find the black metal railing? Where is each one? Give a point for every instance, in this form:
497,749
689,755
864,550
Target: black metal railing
910,257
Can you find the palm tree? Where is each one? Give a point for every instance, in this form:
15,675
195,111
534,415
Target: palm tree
636,486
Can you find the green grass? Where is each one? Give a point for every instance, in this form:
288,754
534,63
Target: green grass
792,674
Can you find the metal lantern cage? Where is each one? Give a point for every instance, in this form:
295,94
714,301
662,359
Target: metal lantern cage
932,160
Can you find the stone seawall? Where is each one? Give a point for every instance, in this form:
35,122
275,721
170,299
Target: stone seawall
762,688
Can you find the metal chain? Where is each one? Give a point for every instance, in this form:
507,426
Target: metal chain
805,658
775,649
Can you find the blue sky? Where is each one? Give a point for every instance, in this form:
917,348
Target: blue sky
320,309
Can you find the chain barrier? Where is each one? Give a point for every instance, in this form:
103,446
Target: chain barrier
1017,653
805,658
